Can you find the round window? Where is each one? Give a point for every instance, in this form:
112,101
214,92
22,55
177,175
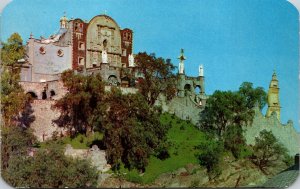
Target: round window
42,50
60,53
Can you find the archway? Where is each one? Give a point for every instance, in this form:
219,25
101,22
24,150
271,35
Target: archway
44,95
52,93
187,89
198,89
112,80
32,94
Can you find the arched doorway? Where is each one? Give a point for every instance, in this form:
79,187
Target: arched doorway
52,93
197,89
44,95
32,95
112,80
187,89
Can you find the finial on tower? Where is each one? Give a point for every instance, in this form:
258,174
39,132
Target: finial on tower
181,63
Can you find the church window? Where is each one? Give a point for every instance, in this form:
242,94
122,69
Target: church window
80,60
105,43
60,53
123,52
42,50
81,46
78,27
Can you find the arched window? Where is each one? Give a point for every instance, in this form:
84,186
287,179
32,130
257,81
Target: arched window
52,93
44,95
32,95
197,89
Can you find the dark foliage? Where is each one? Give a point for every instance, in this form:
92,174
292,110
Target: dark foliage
132,131
158,77
267,150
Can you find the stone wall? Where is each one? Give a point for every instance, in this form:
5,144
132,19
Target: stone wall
183,107
94,154
43,125
38,87
285,133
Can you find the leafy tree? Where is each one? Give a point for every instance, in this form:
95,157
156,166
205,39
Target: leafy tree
234,140
49,168
209,155
13,99
224,109
253,95
267,150
82,107
12,50
158,77
14,143
132,130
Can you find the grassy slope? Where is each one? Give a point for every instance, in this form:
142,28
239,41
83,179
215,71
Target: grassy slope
80,141
184,137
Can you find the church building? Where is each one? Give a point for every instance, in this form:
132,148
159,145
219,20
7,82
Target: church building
97,46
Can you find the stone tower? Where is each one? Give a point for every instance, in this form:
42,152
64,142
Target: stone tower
273,97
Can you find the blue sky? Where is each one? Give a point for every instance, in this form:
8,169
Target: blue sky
236,41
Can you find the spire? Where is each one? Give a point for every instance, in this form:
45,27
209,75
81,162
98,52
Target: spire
181,64
273,97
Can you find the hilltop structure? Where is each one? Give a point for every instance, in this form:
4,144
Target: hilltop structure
101,46
285,133
97,46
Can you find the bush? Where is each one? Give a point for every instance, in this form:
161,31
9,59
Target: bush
49,168
209,156
267,150
133,176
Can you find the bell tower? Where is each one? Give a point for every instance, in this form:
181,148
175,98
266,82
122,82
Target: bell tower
273,97
63,21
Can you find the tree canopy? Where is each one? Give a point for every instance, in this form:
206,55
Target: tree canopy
254,96
50,168
267,150
13,98
12,50
227,112
158,77
132,130
83,106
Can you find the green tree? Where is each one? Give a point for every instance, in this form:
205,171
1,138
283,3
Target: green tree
132,130
209,155
13,99
12,50
83,107
253,95
158,77
14,143
267,150
234,140
225,109
49,168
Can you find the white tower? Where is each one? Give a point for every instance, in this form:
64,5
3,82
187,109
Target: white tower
201,71
181,63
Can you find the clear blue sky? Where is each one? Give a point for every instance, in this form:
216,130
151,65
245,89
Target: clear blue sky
236,41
